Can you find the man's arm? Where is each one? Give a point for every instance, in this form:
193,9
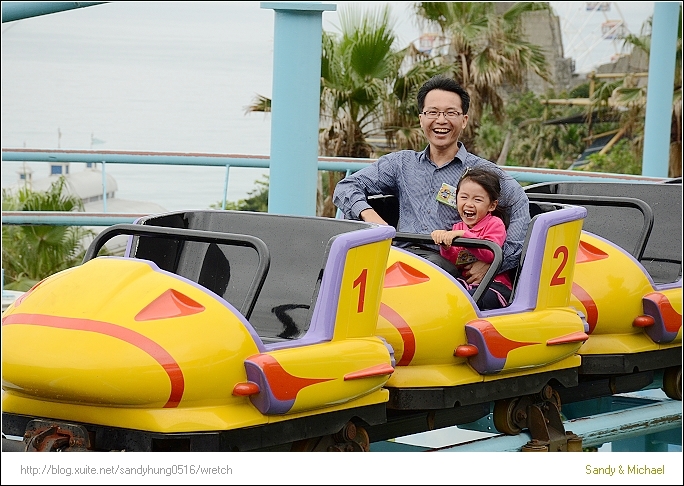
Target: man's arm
351,192
514,198
475,272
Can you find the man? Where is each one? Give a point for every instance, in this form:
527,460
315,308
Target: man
422,181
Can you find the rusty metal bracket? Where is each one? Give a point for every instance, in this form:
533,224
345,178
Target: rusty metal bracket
548,432
540,414
49,436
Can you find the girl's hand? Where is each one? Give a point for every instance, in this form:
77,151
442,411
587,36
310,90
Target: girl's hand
443,237
437,236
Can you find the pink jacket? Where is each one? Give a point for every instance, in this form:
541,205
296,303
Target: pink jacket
488,228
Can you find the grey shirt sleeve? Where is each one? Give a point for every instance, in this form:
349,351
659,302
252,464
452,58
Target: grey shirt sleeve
351,192
517,203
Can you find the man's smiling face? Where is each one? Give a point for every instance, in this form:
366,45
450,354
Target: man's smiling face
443,132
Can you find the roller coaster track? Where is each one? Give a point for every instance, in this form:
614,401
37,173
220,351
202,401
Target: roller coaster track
631,422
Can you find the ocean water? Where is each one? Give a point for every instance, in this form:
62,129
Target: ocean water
146,76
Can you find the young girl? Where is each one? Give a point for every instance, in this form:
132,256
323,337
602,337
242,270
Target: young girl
477,201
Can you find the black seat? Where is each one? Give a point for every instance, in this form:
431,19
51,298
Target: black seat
298,248
536,208
662,256
387,206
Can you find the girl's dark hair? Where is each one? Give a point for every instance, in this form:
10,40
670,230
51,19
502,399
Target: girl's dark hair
490,183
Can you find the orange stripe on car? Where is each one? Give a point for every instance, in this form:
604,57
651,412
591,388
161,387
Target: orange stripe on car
672,320
574,337
377,370
589,305
129,336
284,385
498,345
405,332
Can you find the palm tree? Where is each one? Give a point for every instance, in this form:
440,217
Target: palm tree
400,120
355,70
486,51
625,93
623,96
368,86
33,252
366,92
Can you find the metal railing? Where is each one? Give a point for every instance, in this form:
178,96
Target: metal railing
342,164
620,418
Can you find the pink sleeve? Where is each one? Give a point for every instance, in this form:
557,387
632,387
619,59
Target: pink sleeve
451,253
495,231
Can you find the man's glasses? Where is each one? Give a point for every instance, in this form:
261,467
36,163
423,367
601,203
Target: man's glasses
433,114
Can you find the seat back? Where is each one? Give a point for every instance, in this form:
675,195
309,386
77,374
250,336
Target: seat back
298,247
536,208
662,256
387,206
533,287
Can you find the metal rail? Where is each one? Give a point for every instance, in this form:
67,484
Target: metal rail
609,201
67,218
643,417
342,164
183,234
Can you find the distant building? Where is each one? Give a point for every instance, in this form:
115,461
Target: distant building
89,187
542,27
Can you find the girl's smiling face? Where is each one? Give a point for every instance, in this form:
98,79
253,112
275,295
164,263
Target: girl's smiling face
473,202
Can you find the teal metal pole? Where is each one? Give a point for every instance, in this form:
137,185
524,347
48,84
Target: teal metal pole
104,187
661,67
12,11
295,106
225,187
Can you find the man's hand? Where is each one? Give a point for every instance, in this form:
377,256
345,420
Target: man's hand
475,272
370,216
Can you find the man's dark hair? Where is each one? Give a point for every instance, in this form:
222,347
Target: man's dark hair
444,83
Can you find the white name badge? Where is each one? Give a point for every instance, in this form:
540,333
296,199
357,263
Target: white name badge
447,195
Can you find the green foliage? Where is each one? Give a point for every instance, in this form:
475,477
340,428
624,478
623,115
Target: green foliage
621,159
487,51
490,137
580,91
257,200
31,253
531,142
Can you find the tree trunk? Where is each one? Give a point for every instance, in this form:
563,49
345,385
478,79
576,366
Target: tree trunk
504,151
675,169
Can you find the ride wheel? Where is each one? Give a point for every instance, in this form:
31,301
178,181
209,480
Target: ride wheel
350,439
504,415
672,382
556,399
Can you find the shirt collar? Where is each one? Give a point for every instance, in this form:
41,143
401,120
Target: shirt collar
460,155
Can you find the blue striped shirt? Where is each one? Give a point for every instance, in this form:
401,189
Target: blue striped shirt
414,180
